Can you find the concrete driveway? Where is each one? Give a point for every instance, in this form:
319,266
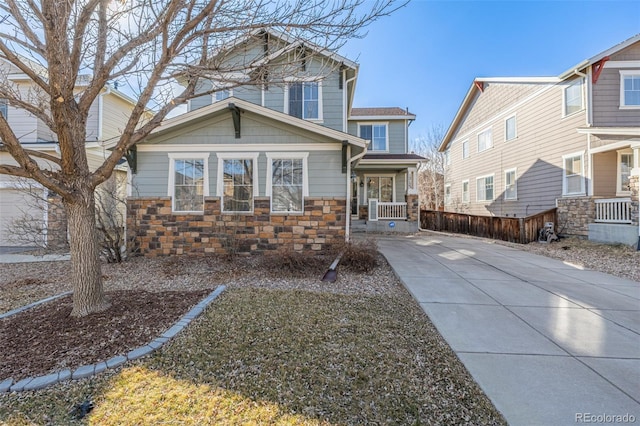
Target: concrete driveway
549,343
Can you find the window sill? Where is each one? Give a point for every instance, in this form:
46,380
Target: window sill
287,213
572,114
630,107
576,194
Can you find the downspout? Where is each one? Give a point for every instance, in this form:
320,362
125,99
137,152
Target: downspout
350,160
101,112
344,100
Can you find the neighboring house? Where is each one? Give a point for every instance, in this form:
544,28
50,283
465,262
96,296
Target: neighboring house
108,116
255,168
519,146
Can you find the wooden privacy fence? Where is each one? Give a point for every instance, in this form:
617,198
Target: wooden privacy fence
514,229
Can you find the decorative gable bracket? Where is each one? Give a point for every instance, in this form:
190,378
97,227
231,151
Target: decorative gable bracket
235,114
597,69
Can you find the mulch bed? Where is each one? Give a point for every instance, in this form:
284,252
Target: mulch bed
46,338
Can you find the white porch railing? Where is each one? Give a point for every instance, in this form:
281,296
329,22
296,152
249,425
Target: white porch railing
613,210
386,211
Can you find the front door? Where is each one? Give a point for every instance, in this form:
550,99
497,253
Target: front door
354,197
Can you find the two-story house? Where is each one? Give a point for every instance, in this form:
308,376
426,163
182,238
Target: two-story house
522,145
22,199
287,162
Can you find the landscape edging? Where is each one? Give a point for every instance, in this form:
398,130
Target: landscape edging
40,382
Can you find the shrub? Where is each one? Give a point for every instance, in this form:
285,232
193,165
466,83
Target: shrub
360,256
288,261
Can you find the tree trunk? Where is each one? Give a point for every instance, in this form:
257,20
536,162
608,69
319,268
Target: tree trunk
88,293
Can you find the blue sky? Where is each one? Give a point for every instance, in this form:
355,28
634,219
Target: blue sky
425,55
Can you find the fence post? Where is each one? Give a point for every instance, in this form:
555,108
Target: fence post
523,233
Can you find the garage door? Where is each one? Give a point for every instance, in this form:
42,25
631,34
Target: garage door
15,205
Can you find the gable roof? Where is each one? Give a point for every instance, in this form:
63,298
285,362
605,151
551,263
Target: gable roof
477,84
594,59
381,112
216,107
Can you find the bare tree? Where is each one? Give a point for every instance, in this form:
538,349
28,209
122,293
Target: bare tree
147,44
431,174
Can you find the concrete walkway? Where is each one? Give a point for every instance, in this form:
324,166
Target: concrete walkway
549,343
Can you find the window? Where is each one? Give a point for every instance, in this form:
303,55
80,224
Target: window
380,188
573,180
287,182
573,97
485,140
465,191
510,128
465,149
222,94
4,108
625,164
484,188
188,181
630,89
237,183
447,158
510,185
305,100
376,134
447,194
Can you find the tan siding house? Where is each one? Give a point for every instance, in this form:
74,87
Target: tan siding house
519,146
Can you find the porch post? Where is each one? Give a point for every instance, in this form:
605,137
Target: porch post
634,183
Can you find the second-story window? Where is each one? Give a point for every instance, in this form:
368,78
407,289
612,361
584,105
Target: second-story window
630,89
222,94
573,97
304,100
4,108
376,134
510,128
485,140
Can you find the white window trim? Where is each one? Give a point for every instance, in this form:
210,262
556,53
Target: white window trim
515,183
564,174
290,80
505,127
304,156
366,184
465,142
623,74
172,175
619,191
494,187
462,188
374,123
220,175
488,129
447,198
564,97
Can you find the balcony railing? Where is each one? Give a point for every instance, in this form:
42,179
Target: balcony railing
613,210
387,211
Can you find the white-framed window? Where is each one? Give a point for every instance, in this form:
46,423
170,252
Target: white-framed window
447,158
465,191
465,149
572,97
377,134
485,140
573,174
510,184
222,94
237,181
510,131
4,108
629,88
484,188
303,99
380,187
188,181
447,194
287,181
625,164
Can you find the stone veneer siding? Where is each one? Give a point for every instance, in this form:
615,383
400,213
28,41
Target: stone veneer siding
413,207
158,231
575,215
56,224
